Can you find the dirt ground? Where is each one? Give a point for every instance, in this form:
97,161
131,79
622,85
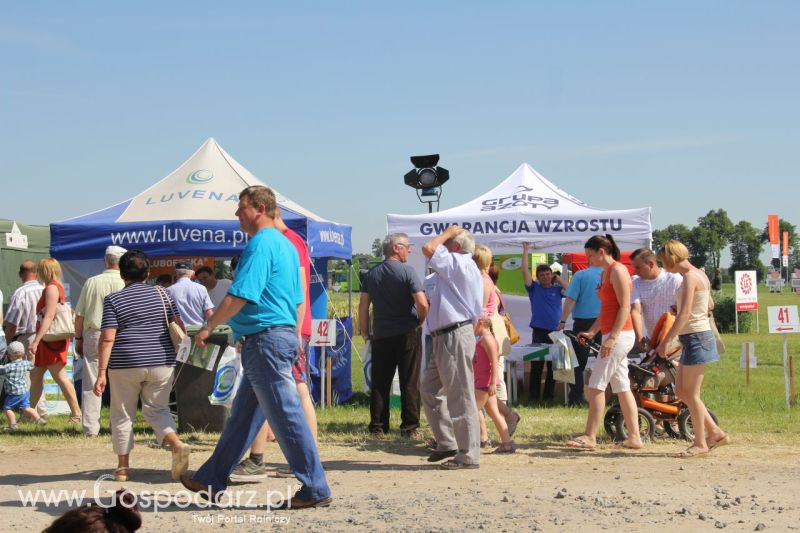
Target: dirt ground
381,486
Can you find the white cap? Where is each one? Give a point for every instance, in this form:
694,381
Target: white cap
115,251
16,348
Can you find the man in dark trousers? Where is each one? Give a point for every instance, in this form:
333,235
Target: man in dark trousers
399,308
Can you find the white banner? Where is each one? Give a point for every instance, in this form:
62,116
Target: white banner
746,290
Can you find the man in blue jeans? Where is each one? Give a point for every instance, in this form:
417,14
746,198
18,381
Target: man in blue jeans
261,308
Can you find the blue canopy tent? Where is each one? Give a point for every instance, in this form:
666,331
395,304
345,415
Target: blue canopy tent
191,212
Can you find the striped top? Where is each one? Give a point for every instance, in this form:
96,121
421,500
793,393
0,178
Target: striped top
142,340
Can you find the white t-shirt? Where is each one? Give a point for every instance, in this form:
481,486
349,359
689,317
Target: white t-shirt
219,291
656,296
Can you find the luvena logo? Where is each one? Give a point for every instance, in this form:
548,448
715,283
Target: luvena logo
199,177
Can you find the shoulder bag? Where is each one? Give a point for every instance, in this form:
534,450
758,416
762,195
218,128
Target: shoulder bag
513,334
176,334
63,325
717,336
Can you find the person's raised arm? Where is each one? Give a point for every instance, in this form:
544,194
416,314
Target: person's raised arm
429,247
526,270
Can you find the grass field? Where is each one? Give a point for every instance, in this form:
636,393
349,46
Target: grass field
756,412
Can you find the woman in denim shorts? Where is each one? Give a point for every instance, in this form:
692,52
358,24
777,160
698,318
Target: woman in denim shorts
693,329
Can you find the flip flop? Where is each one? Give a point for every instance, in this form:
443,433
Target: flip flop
580,444
627,445
717,443
691,453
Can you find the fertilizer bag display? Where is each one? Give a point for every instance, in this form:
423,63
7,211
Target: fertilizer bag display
227,379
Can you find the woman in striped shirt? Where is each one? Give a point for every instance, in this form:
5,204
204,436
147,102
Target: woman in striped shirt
136,349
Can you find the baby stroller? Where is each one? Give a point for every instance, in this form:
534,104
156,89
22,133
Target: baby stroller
653,388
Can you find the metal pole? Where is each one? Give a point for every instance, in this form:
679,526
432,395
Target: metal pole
786,370
322,377
736,315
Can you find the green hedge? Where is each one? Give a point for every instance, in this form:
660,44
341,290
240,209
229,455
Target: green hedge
725,315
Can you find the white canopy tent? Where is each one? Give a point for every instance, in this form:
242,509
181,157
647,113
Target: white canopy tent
526,207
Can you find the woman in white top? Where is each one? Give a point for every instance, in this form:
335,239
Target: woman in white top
693,329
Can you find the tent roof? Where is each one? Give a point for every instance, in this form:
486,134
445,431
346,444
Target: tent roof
526,207
201,194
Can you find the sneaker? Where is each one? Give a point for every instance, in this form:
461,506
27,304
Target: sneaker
41,421
247,470
512,420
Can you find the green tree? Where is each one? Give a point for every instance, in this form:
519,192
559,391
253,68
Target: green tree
746,246
711,236
678,232
377,248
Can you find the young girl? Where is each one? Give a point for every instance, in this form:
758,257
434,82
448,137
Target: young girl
485,367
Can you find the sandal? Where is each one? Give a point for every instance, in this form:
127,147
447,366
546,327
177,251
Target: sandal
626,444
690,453
581,443
486,443
122,473
506,447
717,443
75,419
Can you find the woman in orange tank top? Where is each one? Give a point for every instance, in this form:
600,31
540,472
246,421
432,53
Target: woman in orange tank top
611,367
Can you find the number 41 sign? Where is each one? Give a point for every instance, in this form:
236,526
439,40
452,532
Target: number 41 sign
784,319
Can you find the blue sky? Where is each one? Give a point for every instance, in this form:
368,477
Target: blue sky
682,106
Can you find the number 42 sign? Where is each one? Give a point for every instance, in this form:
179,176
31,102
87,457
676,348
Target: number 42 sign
323,333
783,319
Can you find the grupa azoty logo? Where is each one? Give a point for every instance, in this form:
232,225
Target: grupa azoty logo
200,177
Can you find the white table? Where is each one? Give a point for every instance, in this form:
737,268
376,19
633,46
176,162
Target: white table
518,355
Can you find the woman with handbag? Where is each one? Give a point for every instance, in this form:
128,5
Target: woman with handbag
693,328
136,349
52,355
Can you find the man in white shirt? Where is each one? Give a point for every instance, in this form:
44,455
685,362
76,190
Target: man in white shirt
20,320
653,293
217,288
448,388
190,298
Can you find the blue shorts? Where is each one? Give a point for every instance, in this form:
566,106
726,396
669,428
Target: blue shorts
699,348
17,401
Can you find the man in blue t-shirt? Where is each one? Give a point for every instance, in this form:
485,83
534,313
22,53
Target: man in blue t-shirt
261,308
545,294
582,301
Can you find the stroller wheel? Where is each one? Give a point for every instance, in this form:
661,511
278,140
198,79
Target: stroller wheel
610,421
647,426
672,428
685,423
